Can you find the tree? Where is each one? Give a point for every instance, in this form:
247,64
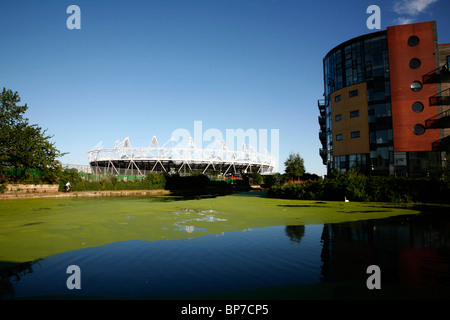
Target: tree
294,167
256,177
24,146
271,180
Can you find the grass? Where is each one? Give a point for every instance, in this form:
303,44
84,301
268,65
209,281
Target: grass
32,229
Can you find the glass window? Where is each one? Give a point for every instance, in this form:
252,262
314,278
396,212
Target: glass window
380,110
379,95
372,137
389,109
354,114
416,86
371,116
353,93
352,162
338,117
338,137
413,41
419,129
370,96
337,98
400,158
414,63
417,107
382,136
356,134
342,162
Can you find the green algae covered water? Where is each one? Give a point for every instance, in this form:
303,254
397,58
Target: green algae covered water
237,246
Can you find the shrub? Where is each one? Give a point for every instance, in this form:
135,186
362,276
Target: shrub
357,187
154,181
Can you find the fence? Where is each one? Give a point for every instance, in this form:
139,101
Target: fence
87,173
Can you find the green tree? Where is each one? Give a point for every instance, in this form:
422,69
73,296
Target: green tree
271,180
24,146
256,178
294,167
154,181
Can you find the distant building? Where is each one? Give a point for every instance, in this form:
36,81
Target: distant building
386,103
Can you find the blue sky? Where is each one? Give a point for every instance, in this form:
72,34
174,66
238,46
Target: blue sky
140,69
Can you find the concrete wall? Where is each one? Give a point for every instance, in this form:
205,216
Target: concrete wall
31,188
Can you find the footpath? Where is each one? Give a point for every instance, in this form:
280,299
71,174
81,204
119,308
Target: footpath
48,191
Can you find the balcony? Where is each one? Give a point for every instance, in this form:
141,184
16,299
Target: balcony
322,121
441,74
322,106
323,155
441,120
442,144
322,136
440,99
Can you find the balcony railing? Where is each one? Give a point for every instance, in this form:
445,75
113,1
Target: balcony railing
323,155
442,144
322,106
322,136
441,74
441,120
321,103
322,120
440,99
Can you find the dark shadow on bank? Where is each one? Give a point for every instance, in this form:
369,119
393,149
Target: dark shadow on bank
200,186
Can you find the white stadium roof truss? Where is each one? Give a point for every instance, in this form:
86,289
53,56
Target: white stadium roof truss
172,157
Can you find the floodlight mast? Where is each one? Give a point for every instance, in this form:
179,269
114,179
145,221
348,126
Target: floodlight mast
216,157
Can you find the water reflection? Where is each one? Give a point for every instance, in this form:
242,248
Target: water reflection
295,233
12,274
413,253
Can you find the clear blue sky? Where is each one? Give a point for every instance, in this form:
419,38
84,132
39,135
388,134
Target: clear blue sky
140,69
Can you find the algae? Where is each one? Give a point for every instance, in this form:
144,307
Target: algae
32,229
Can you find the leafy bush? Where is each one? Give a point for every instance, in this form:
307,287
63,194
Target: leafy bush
357,187
2,187
154,181
150,182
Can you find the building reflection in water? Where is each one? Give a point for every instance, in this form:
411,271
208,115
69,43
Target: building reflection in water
413,253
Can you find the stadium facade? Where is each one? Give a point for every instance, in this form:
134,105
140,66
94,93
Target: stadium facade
386,103
171,158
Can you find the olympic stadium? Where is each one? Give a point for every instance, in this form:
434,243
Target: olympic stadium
173,157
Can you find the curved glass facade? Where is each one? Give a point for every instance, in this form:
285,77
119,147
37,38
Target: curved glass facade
362,59
385,103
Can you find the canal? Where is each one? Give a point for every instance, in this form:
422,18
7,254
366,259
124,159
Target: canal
241,246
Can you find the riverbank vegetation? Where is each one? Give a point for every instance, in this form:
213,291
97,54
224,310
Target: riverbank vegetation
196,183
26,150
354,186
151,181
28,156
